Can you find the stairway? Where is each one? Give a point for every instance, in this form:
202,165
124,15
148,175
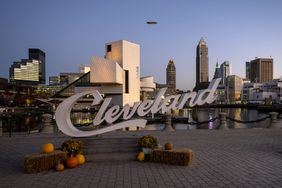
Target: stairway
111,148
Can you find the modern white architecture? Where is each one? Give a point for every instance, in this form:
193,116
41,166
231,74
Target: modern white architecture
118,74
147,86
262,93
84,68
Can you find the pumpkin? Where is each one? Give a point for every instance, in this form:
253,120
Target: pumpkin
168,146
48,148
141,156
80,159
60,167
71,162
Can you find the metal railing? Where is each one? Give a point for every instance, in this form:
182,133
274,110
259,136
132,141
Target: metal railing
247,121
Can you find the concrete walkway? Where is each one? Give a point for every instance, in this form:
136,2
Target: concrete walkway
234,158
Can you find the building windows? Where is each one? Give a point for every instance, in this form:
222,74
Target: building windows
126,81
109,48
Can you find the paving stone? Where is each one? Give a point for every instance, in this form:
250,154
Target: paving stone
234,158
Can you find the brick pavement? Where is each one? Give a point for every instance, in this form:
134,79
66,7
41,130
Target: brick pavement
234,158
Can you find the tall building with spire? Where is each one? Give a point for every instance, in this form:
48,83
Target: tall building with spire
216,71
171,76
202,65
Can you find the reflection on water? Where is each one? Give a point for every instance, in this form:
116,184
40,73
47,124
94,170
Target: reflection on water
177,126
27,122
195,115
80,118
211,122
21,123
204,114
154,127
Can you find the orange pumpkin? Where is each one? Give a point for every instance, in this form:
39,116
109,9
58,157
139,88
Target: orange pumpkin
141,156
168,146
71,162
80,159
48,148
60,167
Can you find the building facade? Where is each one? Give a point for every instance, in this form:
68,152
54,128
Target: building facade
216,71
147,87
37,54
29,71
202,62
171,77
25,72
260,70
233,89
224,71
117,75
84,68
262,93
127,55
248,70
13,94
54,80
69,77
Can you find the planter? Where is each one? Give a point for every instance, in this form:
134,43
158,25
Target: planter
147,150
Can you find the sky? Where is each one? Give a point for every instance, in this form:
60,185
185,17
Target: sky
71,32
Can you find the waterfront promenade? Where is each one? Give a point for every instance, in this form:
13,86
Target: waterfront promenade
232,158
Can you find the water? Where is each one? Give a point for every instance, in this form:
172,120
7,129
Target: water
198,115
204,114
32,123
21,123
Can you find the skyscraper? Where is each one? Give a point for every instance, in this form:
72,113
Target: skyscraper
216,71
260,70
37,54
29,71
248,70
202,62
224,71
171,76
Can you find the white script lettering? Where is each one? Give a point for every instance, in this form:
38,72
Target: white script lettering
112,114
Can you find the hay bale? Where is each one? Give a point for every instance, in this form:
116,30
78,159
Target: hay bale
181,156
39,162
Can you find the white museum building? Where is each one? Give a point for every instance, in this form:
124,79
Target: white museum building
117,75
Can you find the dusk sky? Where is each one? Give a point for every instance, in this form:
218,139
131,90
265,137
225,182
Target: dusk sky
70,32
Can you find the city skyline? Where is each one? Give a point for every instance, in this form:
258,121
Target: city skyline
71,33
